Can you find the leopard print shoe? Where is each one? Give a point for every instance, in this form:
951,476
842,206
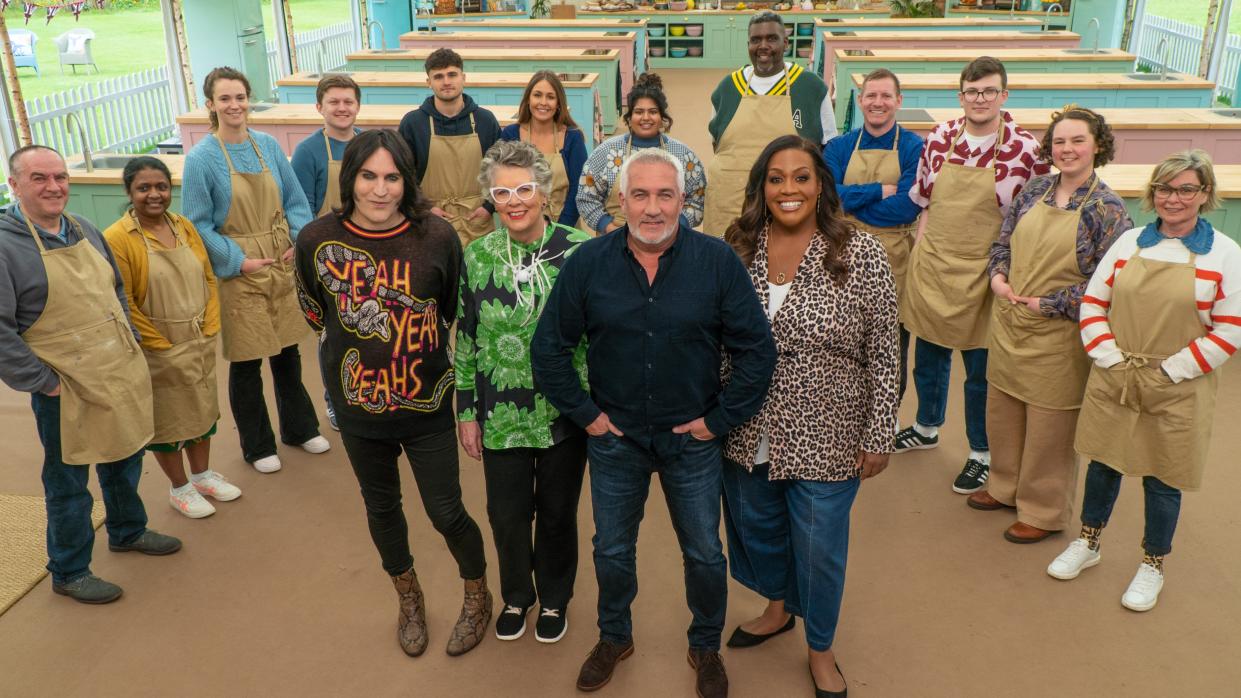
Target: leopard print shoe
474,619
411,624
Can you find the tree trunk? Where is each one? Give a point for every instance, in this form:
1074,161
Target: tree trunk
365,20
1131,8
288,27
14,86
1208,38
183,47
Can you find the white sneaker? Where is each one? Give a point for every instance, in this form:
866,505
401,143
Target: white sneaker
1143,591
267,464
316,445
1075,558
215,486
190,503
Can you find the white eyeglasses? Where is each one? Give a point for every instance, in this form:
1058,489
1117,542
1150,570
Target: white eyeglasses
524,192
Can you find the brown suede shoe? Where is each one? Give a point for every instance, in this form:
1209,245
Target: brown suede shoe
712,679
1025,533
411,624
983,501
474,619
600,663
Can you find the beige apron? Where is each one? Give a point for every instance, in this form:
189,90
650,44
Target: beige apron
560,180
1037,359
83,335
259,313
883,167
183,376
947,293
331,197
1134,418
759,120
451,181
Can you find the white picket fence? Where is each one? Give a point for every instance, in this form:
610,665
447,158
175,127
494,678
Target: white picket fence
1183,50
319,49
128,114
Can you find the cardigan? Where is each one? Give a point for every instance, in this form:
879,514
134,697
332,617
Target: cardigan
834,390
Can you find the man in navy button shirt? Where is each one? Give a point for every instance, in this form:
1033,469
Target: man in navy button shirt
659,304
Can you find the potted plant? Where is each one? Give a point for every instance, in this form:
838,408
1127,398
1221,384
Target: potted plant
539,9
912,8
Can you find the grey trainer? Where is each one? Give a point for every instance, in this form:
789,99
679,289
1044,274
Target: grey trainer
89,589
149,543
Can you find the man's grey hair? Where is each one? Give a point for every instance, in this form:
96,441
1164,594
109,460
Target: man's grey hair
519,154
652,156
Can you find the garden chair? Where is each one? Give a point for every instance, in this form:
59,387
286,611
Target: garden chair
74,48
24,42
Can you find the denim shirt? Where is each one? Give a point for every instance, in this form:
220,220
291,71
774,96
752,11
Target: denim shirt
654,350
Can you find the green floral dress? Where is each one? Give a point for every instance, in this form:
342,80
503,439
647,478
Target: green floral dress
504,284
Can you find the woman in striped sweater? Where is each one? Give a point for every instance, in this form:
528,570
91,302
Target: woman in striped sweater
1162,311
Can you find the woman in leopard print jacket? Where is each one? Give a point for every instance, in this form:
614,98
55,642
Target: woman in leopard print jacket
792,472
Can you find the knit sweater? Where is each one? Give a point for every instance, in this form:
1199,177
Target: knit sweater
310,164
1217,288
207,194
810,110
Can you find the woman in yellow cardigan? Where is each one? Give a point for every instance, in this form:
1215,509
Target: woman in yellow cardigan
173,305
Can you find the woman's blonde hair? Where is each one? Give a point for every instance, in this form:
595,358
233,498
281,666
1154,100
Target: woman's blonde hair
1173,165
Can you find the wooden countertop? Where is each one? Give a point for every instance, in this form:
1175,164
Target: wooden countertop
784,13
542,23
369,115
1130,180
1004,54
465,15
403,79
1117,118
175,163
924,36
1052,81
495,54
446,37
929,22
1005,13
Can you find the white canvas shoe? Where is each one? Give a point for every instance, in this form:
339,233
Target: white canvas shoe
317,445
1143,591
1075,558
267,464
190,503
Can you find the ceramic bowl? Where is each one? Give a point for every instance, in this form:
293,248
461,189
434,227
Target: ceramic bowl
676,30
657,51
654,31
693,30
804,52
678,52
695,50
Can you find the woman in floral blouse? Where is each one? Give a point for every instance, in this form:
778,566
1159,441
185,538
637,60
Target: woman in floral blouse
648,121
792,472
533,459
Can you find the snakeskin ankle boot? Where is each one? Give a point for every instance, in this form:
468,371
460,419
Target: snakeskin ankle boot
411,624
474,619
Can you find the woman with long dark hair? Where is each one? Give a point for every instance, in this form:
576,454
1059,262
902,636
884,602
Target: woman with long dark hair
543,119
792,472
379,279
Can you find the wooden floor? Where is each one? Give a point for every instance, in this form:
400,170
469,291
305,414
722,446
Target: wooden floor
281,593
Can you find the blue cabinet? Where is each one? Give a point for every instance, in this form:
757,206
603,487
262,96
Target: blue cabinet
396,16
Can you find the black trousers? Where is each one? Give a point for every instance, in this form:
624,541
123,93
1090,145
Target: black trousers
540,486
298,423
433,459
904,362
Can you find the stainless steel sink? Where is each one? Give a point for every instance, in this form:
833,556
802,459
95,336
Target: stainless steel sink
1153,77
330,72
1232,113
380,50
261,106
105,162
1084,51
914,115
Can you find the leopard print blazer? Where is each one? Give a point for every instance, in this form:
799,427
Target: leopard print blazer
834,391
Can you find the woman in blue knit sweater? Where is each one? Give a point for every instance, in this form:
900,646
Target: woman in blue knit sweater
543,119
243,197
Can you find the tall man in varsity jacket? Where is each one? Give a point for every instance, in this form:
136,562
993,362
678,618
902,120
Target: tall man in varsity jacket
753,105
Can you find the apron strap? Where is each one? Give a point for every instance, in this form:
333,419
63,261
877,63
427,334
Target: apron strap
259,155
176,236
35,234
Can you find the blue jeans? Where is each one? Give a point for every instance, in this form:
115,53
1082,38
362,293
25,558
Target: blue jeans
70,534
620,479
789,540
1163,506
932,369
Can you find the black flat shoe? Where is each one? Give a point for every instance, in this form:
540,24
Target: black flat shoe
820,693
741,639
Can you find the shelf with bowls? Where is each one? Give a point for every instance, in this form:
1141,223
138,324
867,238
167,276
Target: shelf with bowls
676,44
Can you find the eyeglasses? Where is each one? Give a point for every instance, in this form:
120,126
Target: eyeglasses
524,192
987,95
1183,192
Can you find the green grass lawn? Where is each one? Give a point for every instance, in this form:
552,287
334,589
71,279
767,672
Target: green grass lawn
1192,11
130,39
